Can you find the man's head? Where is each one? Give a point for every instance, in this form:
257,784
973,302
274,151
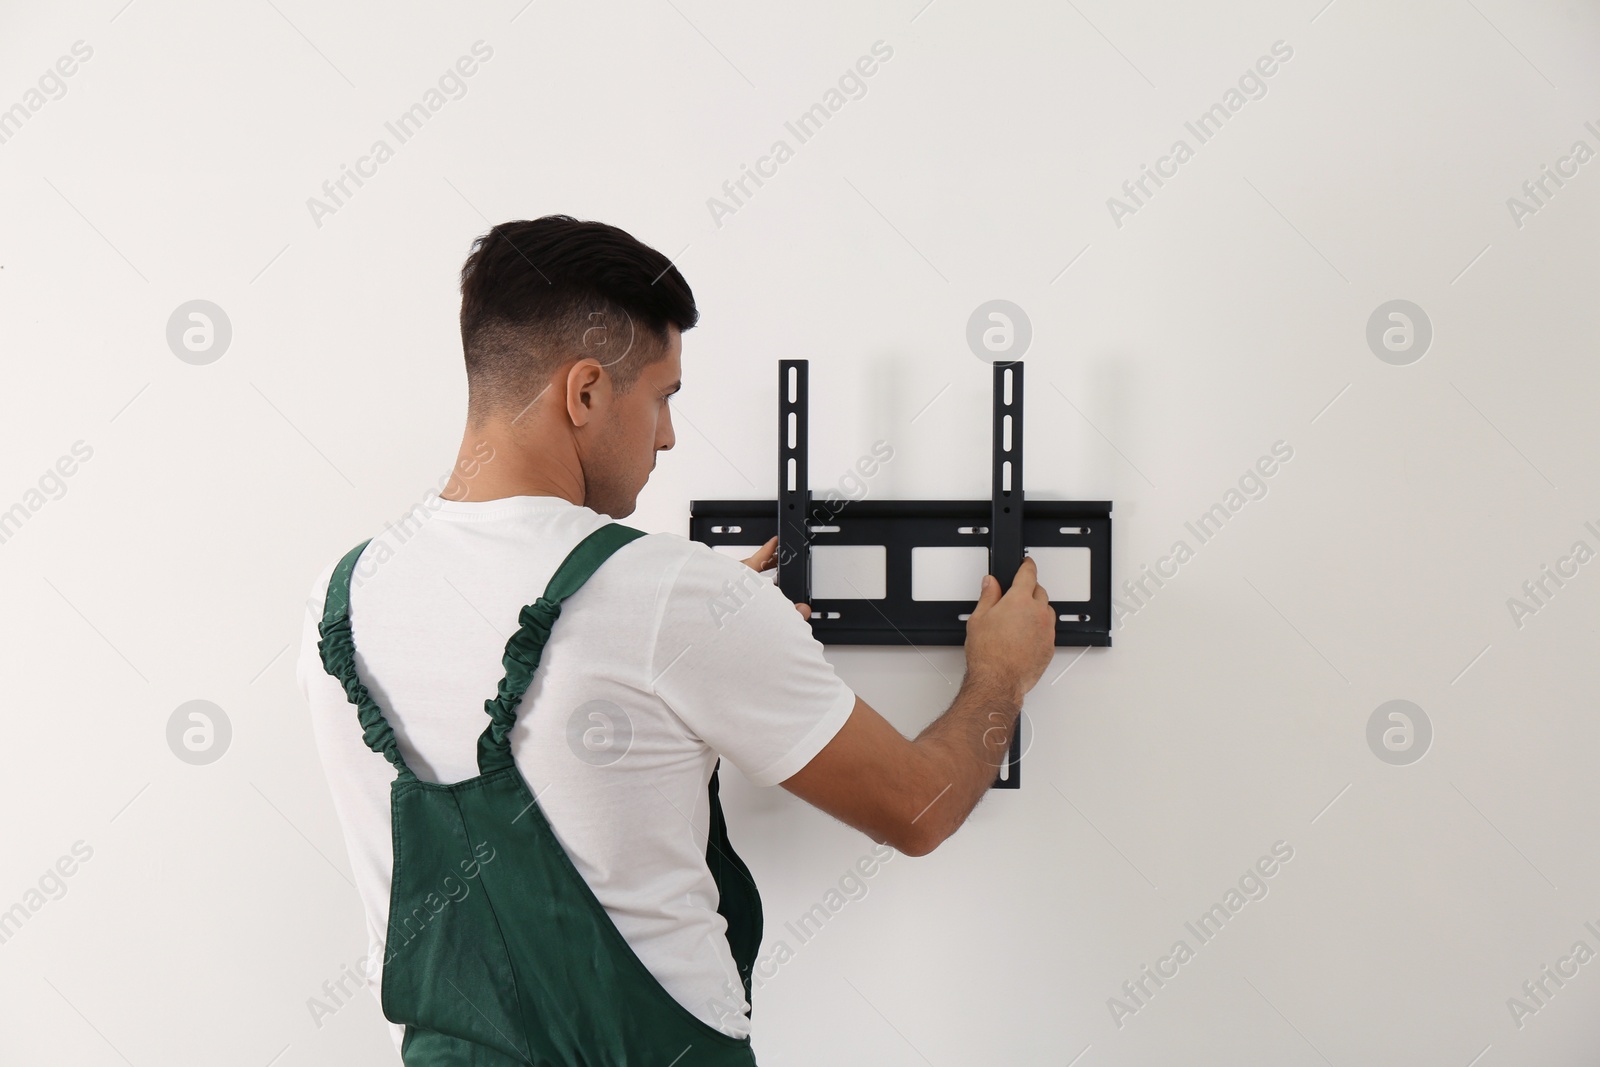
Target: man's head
573,329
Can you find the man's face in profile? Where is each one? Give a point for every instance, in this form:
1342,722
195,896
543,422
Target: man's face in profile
640,426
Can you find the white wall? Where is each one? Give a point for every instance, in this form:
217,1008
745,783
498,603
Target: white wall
1169,352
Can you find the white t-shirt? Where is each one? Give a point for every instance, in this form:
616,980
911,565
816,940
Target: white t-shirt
670,654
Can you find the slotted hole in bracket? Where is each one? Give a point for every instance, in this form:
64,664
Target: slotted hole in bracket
794,429
972,529
792,467
1005,434
1074,529
794,384
728,529
1006,393
1005,476
849,572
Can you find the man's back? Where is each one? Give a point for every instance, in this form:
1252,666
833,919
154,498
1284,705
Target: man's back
670,654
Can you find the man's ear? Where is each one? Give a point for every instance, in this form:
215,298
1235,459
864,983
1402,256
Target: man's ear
588,391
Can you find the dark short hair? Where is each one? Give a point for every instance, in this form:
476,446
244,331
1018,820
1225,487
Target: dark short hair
538,294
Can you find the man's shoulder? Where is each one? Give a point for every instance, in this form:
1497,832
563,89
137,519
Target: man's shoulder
696,584
693,563
680,564
317,593
671,550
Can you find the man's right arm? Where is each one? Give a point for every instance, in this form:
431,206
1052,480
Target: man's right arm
914,793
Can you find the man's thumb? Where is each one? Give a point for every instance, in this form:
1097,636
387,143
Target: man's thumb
990,592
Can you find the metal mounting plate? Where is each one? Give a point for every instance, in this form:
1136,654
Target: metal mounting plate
1007,525
902,525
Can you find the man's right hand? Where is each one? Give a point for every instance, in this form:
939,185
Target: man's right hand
1011,638
914,794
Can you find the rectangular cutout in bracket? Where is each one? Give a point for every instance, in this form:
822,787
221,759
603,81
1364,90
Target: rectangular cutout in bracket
939,573
848,572
1064,571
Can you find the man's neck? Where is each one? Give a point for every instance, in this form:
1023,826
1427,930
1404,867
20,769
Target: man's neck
494,462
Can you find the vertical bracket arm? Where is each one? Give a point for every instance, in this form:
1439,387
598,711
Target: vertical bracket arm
794,493
1005,523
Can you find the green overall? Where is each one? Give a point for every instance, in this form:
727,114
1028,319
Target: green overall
498,952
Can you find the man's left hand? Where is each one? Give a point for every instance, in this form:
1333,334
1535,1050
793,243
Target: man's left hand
765,559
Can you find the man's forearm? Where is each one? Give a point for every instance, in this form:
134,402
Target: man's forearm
963,751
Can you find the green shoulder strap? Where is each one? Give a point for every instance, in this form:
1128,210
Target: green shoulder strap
526,646
338,651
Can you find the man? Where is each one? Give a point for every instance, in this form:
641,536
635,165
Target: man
667,655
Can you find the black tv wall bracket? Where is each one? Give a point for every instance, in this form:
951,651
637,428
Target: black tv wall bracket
1007,524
